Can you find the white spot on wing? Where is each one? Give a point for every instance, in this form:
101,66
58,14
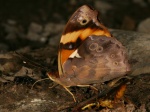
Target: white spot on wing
80,18
75,54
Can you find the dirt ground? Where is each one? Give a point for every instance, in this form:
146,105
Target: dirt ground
33,28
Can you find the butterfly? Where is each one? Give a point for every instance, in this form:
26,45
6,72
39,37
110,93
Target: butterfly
88,53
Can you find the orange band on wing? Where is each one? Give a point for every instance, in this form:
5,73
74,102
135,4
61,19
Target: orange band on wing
65,54
83,34
87,32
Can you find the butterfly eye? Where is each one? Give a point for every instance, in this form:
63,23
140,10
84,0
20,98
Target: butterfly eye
99,49
93,46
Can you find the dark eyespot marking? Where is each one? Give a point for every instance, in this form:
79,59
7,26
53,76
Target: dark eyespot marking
116,63
99,49
84,21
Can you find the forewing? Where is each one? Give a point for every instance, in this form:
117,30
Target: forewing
83,23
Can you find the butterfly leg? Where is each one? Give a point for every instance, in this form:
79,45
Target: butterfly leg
70,93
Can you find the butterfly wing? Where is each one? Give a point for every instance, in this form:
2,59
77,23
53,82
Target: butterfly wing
97,59
83,23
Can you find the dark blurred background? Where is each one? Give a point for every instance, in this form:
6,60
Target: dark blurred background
20,14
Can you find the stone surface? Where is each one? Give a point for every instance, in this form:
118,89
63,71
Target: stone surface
144,26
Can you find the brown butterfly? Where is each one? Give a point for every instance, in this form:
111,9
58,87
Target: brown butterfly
88,53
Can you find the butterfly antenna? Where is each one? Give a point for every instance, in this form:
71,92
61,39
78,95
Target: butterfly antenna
38,81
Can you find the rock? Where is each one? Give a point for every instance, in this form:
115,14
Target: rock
52,28
33,36
34,31
11,22
38,33
140,2
36,28
144,26
13,30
